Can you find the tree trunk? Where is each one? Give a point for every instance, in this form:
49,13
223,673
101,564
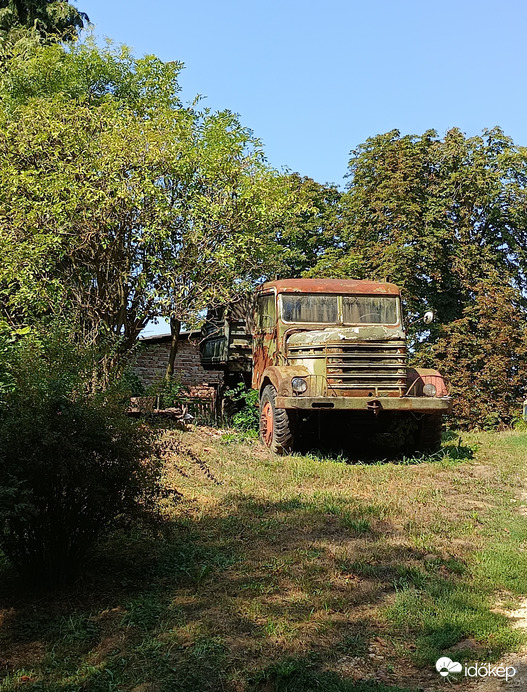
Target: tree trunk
175,326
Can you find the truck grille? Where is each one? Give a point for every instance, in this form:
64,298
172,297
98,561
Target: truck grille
359,368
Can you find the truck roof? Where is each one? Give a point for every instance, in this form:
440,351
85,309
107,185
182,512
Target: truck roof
331,286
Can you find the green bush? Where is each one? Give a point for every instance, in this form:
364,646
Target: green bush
244,404
132,382
71,463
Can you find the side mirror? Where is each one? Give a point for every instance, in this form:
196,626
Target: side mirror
428,317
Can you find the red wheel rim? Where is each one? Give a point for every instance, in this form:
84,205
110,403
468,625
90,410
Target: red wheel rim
267,423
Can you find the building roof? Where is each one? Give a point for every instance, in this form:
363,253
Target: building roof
331,286
160,338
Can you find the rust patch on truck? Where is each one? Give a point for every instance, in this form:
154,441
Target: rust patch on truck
351,286
262,357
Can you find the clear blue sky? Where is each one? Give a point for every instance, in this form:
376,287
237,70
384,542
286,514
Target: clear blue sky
313,81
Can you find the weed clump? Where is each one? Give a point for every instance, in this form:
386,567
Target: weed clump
243,412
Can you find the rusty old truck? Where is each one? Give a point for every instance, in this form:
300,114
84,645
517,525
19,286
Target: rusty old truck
328,352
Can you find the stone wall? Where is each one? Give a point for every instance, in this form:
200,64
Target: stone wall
152,361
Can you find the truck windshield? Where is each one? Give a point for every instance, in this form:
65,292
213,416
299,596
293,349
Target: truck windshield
369,309
325,309
316,308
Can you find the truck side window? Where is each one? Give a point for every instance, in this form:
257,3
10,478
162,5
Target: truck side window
266,312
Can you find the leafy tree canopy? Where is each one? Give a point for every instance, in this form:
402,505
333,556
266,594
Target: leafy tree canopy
50,19
119,203
434,215
311,241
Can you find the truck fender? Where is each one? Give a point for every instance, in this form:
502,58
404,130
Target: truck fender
280,377
418,377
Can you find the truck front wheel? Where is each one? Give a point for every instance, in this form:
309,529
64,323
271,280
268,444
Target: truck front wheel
276,425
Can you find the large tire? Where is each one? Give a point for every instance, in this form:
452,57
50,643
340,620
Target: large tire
276,425
429,434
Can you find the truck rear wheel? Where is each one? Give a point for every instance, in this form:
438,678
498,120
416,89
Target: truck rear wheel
429,434
276,426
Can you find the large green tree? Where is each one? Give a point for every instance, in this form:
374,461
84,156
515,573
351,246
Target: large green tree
118,203
446,220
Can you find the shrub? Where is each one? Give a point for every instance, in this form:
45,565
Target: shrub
244,412
132,382
71,463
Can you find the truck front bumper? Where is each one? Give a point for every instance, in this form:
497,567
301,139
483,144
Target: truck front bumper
419,404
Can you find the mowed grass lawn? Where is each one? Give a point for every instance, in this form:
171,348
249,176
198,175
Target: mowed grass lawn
289,574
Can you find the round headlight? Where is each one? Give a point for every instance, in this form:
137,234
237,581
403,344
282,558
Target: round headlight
429,390
299,385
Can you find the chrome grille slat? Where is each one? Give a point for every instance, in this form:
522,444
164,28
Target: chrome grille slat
365,376
362,366
347,369
375,365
